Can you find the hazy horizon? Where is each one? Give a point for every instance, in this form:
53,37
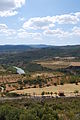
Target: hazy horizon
36,45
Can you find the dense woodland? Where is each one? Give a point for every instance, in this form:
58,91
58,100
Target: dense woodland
41,109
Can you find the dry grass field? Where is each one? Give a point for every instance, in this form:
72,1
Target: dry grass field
52,64
75,63
68,89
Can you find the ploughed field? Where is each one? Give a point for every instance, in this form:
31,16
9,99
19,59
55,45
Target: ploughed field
12,78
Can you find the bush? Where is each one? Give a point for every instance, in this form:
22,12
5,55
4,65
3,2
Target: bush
61,94
19,82
62,82
12,95
72,81
55,84
25,82
43,93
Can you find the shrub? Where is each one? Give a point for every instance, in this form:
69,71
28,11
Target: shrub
43,93
72,81
12,94
25,82
19,82
55,84
61,94
62,82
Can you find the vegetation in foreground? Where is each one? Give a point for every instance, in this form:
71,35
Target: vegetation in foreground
41,109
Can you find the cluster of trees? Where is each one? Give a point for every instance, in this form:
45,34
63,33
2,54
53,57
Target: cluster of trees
68,79
34,67
38,81
61,94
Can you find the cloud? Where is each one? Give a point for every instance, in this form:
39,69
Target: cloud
20,33
3,26
67,19
21,18
39,23
57,32
9,32
4,30
8,7
53,32
45,28
77,14
76,31
25,34
49,22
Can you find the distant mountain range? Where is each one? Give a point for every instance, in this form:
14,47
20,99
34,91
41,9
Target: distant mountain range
20,48
16,48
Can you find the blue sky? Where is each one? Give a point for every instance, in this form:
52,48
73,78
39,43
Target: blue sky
54,22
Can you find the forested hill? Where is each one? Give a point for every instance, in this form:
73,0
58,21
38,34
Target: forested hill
50,50
24,56
20,48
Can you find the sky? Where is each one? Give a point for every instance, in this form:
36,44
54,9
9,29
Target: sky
50,22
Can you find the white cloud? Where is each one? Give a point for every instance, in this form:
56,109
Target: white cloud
25,34
3,26
39,23
45,27
57,32
4,30
9,32
8,7
20,33
77,14
48,22
67,19
76,31
21,18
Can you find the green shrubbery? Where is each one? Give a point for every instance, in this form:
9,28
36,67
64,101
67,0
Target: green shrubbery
12,95
42,109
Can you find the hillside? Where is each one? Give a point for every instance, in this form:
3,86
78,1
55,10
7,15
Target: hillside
20,48
25,54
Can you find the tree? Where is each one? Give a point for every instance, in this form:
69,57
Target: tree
55,84
76,92
62,82
43,93
51,93
55,94
19,82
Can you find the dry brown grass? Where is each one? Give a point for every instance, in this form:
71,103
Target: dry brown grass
75,63
67,89
54,64
57,64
